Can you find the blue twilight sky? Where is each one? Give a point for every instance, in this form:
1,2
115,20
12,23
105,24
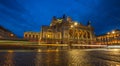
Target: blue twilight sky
28,15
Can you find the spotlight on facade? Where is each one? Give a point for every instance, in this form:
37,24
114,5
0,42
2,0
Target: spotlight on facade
108,33
71,26
48,36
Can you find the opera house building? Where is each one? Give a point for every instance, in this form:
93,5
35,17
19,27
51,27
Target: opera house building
64,30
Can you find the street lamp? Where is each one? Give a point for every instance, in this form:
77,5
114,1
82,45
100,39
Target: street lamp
113,32
75,23
108,38
73,28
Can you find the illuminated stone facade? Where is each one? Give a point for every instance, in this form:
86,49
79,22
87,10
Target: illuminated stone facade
65,30
6,34
111,38
32,36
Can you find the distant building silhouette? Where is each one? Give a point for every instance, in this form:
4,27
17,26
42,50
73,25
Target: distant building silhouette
31,36
6,34
110,38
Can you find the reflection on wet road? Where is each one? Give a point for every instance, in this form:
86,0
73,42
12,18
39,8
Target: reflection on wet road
86,57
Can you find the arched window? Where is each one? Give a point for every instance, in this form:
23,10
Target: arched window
36,36
29,36
25,35
84,34
33,36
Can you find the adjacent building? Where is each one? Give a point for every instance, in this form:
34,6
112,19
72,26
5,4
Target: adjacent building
65,30
110,38
6,34
32,36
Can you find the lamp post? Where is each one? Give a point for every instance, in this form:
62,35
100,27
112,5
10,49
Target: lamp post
73,27
71,33
75,24
108,38
113,32
62,34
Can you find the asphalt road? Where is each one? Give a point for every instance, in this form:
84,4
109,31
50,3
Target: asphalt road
83,57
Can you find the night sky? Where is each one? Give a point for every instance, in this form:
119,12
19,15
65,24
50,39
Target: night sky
28,15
